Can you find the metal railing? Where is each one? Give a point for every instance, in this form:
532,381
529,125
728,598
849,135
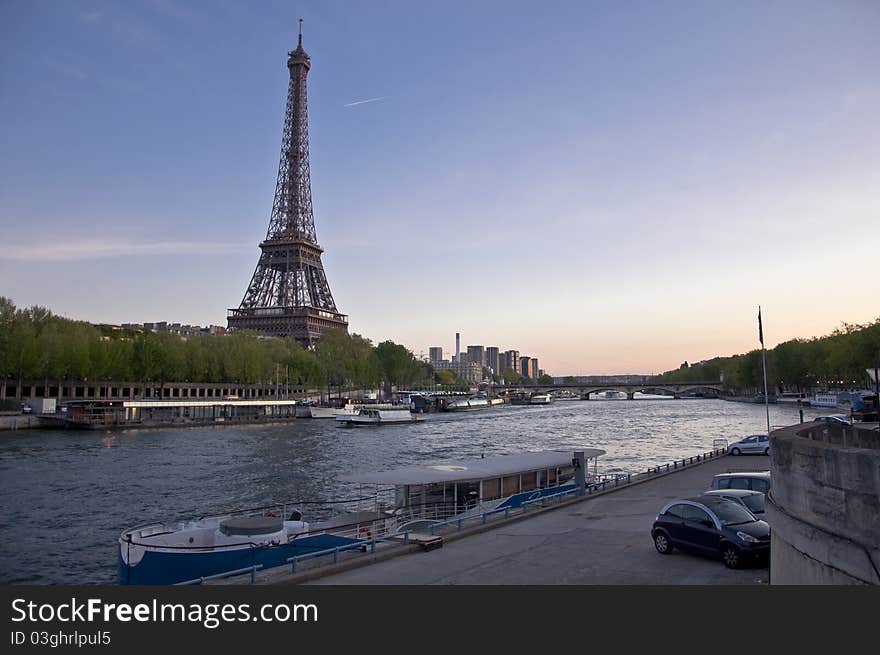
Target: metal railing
226,574
336,550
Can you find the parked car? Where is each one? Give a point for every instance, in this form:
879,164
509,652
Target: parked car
751,500
753,480
758,444
840,419
711,526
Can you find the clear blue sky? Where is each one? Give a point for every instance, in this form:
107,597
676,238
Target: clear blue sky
607,186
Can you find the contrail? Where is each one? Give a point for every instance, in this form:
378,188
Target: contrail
363,102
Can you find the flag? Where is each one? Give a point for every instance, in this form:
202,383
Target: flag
760,327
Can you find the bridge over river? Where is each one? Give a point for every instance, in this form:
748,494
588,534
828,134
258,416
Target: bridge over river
677,389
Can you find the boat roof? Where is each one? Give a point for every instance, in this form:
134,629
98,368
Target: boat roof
474,469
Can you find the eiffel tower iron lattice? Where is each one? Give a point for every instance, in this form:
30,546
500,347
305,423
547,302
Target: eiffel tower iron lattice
289,295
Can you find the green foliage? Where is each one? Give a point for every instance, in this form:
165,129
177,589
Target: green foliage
35,345
512,377
445,377
838,359
545,379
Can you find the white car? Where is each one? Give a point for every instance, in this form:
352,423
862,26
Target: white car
757,444
840,419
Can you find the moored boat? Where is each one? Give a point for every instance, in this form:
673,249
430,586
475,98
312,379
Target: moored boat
379,416
540,399
190,551
467,404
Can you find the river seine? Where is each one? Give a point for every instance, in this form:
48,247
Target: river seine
66,495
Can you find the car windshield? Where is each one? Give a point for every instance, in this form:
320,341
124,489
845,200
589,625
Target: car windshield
730,513
755,503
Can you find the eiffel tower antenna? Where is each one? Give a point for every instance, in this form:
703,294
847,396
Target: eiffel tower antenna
288,295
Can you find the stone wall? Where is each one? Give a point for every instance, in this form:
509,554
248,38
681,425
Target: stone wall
824,505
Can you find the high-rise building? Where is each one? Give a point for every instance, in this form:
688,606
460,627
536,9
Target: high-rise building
476,355
525,367
457,357
435,354
534,366
492,359
511,360
288,295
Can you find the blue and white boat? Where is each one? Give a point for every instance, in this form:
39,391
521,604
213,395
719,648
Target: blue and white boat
403,499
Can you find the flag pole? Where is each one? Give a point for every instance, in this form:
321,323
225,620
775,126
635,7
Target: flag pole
764,366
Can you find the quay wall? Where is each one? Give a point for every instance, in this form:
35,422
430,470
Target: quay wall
824,505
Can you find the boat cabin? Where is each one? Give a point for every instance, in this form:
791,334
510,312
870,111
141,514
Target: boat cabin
472,483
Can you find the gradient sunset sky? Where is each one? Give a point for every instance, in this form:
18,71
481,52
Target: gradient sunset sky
612,187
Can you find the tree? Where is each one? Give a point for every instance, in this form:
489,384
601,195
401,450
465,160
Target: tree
545,380
512,377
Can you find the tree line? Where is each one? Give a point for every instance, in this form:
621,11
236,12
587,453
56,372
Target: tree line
36,344
836,360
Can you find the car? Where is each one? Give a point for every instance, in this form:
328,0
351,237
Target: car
712,526
751,500
753,480
840,419
755,444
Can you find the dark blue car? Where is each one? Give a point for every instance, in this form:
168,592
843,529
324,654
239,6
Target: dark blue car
712,526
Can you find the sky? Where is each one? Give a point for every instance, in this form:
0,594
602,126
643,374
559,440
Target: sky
611,187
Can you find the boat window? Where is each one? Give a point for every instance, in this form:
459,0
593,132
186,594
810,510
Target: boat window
416,494
552,476
510,484
529,481
434,493
491,488
542,479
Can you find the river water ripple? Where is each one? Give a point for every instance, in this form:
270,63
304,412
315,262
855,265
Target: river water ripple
66,495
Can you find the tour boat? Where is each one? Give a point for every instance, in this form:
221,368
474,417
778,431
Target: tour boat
468,404
404,500
541,399
379,416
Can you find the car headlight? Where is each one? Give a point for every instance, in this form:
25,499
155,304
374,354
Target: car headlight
749,539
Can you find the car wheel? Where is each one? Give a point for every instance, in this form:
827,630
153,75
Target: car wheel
766,451
734,451
731,557
662,543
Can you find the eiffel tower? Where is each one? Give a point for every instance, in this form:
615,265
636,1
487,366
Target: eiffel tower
289,295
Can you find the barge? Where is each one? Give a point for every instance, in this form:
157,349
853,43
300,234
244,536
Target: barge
404,500
120,414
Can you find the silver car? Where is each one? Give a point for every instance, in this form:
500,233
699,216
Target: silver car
753,480
751,500
757,444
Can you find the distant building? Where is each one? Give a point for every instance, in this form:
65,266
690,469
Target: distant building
469,372
476,355
534,366
457,357
511,360
525,367
492,359
435,354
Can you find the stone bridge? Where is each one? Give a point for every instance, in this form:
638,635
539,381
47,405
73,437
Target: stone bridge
586,390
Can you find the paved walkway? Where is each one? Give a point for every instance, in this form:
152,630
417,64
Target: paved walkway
601,540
